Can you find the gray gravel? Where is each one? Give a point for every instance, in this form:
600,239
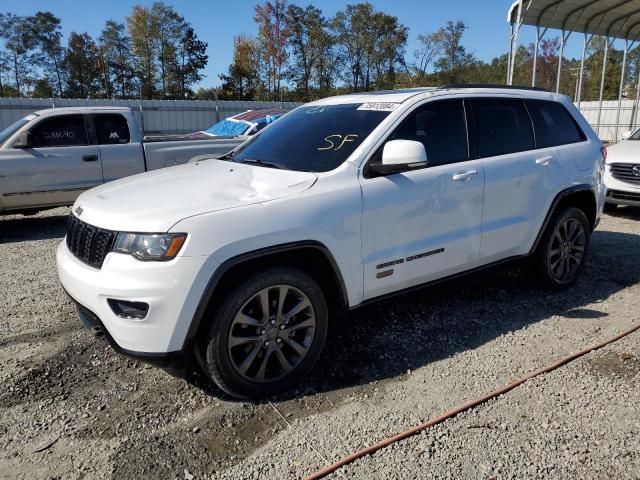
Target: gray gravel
95,414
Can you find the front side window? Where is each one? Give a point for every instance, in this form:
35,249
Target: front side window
553,124
312,139
60,131
112,128
502,126
441,127
14,127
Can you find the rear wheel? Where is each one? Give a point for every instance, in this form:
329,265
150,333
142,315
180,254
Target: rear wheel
267,334
562,252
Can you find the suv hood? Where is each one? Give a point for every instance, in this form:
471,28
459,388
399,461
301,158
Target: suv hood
626,151
157,200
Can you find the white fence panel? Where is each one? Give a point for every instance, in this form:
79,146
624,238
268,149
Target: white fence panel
157,116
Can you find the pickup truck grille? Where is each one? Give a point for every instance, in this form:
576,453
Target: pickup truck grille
88,243
625,172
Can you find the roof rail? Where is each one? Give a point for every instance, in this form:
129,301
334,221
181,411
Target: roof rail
489,85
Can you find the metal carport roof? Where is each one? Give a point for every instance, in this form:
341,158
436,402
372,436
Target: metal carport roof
609,18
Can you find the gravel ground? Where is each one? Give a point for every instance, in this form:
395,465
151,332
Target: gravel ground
72,408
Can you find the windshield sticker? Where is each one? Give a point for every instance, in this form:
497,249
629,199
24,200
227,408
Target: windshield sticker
336,141
379,106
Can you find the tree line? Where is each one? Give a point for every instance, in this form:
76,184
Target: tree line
296,53
154,53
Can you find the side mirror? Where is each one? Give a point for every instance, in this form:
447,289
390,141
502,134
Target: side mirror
626,135
24,140
400,156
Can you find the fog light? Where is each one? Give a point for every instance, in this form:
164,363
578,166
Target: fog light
128,310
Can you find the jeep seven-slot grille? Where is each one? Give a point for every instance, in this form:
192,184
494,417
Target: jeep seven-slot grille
88,243
627,172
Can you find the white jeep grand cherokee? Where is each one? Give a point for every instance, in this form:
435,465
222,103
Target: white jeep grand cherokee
341,202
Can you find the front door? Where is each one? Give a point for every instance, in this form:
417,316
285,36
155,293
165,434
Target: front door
56,170
421,225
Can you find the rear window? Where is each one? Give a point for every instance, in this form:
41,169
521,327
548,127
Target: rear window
502,126
553,124
112,128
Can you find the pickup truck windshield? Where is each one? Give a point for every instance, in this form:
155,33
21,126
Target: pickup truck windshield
312,139
14,127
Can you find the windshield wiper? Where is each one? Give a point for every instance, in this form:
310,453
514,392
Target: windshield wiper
260,163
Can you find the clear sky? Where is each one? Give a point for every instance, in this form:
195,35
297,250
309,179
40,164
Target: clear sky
216,22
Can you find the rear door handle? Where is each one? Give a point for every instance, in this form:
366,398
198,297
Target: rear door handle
464,176
90,158
544,160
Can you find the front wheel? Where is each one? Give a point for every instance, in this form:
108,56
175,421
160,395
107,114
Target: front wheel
267,333
562,252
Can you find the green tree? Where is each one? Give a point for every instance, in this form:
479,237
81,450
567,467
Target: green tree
47,37
273,34
143,30
115,51
19,41
242,78
454,58
192,58
82,65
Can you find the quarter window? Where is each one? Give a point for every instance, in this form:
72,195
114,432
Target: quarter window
60,131
553,124
112,128
502,126
440,126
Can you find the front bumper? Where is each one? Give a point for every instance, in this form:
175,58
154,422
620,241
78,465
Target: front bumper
170,288
620,192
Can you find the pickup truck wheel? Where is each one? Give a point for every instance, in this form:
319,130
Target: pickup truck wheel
267,333
562,252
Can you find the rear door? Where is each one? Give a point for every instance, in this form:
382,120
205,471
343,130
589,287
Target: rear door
60,166
424,224
521,180
120,157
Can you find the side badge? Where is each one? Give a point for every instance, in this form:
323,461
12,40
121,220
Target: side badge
79,210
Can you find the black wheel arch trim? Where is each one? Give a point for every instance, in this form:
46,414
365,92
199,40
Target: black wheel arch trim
554,205
198,316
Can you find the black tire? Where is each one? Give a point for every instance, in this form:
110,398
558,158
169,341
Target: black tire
220,361
561,275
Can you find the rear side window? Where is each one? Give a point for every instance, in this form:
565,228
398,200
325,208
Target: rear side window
502,126
112,129
553,124
60,131
441,127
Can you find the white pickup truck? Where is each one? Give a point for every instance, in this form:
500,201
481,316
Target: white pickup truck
51,156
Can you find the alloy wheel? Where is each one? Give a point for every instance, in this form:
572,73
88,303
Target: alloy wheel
271,333
567,249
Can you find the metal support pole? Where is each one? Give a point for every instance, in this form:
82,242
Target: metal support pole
604,70
510,51
563,40
514,50
624,65
584,52
635,116
535,57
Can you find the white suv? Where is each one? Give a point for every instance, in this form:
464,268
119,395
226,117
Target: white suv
341,202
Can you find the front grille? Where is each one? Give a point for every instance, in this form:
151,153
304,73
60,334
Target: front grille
88,243
625,172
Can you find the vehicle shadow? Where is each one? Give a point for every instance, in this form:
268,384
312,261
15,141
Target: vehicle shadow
385,339
29,228
632,213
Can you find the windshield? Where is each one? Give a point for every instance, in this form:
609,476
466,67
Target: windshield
312,139
228,128
13,128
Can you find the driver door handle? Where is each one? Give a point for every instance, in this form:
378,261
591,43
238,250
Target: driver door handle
544,160
90,158
465,176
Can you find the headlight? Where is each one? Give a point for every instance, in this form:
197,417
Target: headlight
151,246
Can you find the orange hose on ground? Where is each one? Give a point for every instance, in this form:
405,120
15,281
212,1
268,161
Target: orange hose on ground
470,404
